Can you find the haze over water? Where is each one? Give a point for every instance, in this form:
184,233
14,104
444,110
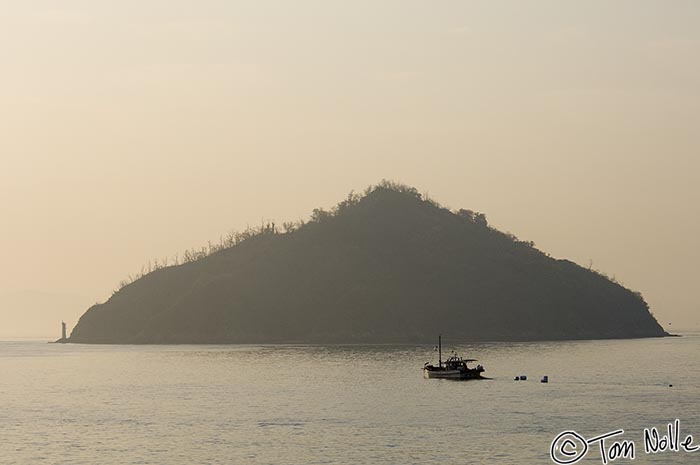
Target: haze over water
133,131
180,405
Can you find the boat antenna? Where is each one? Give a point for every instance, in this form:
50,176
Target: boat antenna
440,350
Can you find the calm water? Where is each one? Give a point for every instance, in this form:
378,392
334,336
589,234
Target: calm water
68,404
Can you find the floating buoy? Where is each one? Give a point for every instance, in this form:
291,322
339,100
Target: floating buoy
523,378
517,378
670,385
545,379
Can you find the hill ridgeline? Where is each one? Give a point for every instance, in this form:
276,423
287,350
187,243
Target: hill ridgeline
386,267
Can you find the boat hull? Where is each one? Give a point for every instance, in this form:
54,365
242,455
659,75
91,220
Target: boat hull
452,374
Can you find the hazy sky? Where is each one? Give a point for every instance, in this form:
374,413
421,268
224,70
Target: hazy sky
132,130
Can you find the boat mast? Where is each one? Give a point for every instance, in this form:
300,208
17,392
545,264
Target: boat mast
440,350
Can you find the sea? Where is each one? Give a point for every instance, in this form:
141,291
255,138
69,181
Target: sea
348,404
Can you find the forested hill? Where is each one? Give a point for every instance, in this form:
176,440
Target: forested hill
386,267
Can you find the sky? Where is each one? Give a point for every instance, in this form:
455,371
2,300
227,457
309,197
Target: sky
134,130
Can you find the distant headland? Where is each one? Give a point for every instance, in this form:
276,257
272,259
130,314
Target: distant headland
386,266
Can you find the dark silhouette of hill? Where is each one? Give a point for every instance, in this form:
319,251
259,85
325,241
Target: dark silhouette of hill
389,266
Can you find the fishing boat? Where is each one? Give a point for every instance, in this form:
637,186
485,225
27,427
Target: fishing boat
453,368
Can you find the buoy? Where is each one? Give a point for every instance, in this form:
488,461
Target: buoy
517,378
523,378
670,385
545,379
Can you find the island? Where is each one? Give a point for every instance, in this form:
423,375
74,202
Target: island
386,266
